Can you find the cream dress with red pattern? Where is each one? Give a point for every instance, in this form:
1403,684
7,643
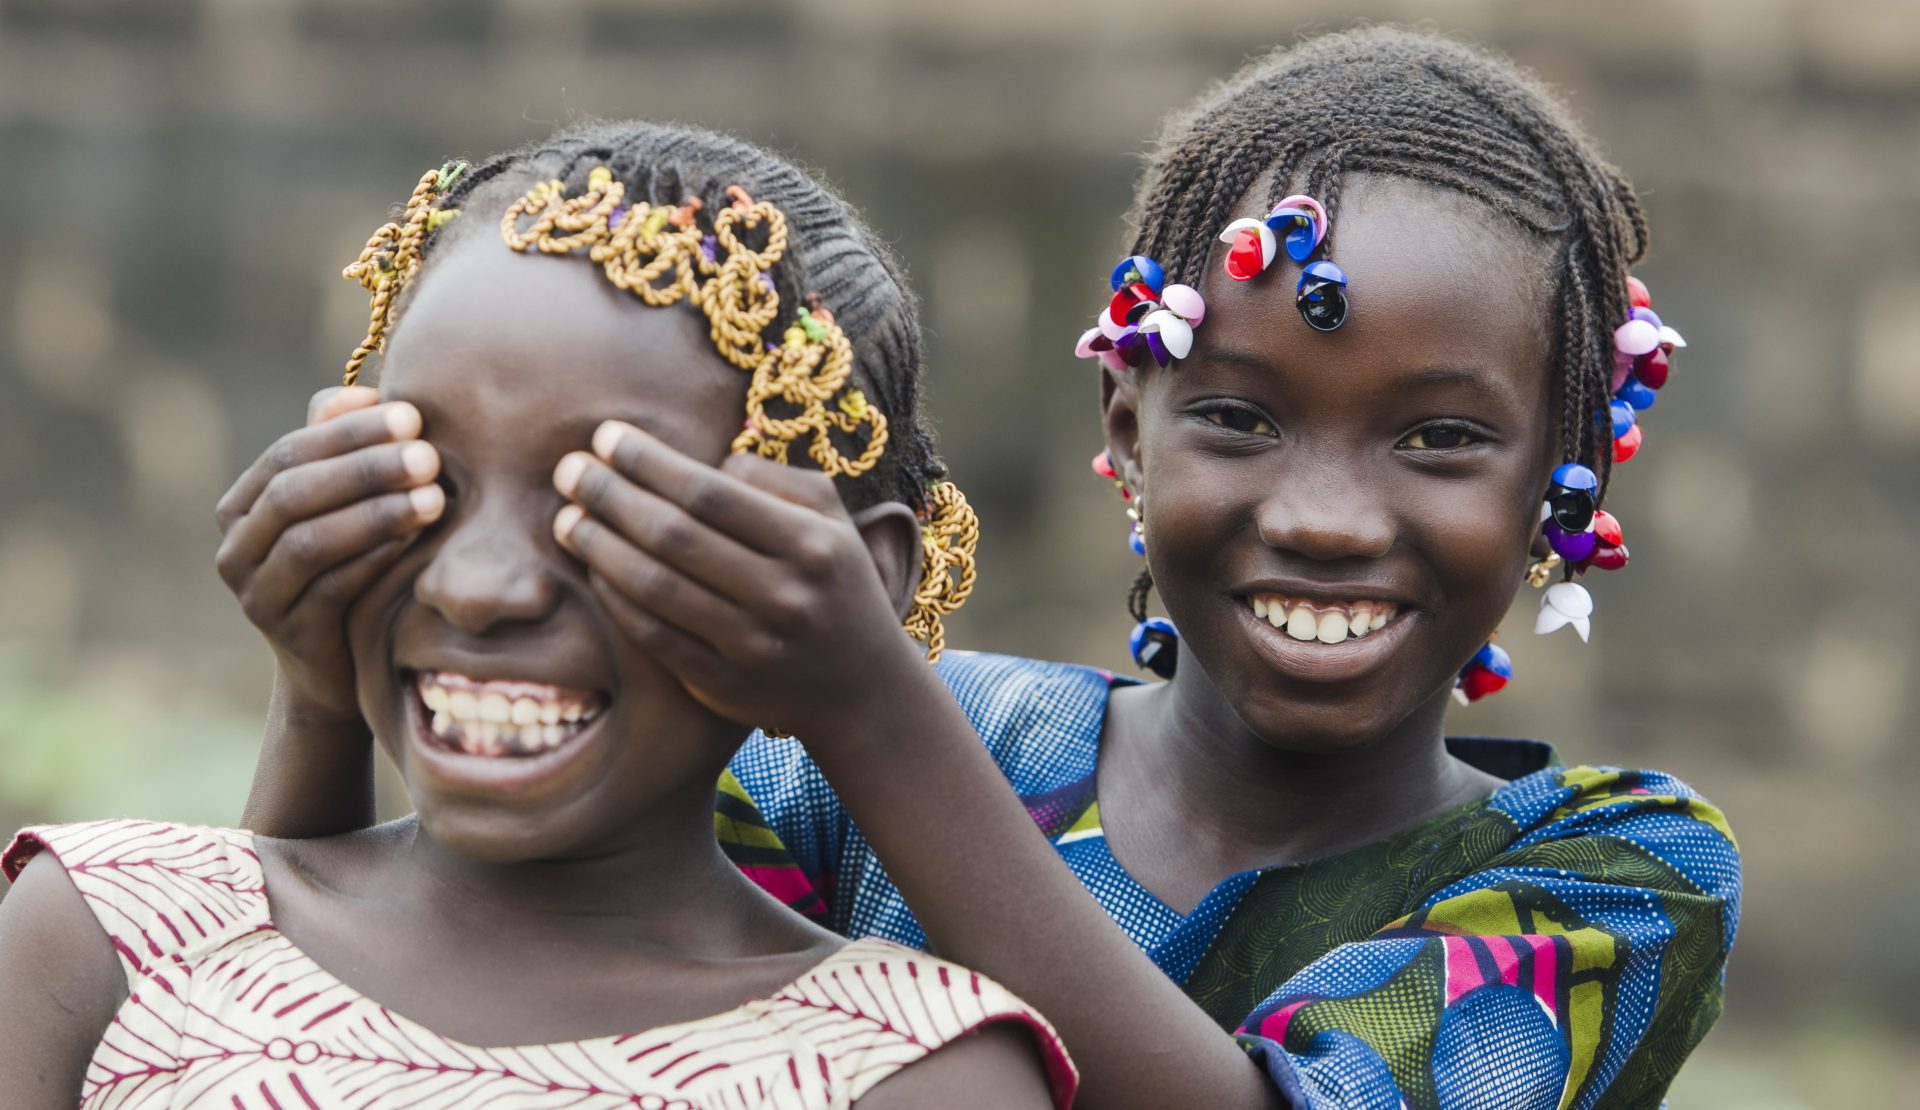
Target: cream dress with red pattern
225,1011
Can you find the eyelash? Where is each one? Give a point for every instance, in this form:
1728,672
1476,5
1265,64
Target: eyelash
1468,437
1218,414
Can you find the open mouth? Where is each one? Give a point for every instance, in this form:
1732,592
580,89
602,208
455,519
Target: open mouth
1318,621
501,718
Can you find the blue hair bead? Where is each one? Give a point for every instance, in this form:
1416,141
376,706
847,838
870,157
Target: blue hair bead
1636,393
1622,414
1154,644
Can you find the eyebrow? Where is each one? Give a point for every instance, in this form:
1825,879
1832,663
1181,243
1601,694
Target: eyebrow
1426,376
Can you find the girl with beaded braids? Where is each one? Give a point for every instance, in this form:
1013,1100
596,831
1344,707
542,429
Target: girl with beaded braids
556,922
1339,427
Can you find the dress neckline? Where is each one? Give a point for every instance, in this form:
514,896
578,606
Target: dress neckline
854,951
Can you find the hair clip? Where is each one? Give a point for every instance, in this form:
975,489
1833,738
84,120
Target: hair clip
1143,315
1298,225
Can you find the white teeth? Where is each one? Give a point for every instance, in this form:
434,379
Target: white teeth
1306,621
469,716
494,707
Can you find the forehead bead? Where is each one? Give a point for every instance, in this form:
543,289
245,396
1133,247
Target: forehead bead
1321,295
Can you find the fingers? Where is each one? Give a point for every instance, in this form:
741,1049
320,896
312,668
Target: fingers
315,488
710,495
302,553
661,528
690,659
657,587
331,402
806,488
336,436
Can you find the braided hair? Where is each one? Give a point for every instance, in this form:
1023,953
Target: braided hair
1415,105
831,259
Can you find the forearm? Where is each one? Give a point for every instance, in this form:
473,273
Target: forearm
315,774
994,895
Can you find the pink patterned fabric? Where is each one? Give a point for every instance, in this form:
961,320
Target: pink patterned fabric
225,1011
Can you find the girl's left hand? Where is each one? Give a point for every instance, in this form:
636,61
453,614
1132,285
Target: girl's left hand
749,581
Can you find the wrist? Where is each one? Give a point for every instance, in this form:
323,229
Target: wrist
901,699
294,708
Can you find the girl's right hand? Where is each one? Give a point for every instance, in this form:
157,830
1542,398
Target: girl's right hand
314,520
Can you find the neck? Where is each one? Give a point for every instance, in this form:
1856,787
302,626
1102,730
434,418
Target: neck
661,881
1261,805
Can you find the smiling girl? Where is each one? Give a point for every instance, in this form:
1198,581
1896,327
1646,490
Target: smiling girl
1374,322
556,925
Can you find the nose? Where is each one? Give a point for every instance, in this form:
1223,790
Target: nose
1327,511
490,569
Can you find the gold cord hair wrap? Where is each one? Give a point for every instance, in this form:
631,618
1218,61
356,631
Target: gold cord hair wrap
798,390
392,256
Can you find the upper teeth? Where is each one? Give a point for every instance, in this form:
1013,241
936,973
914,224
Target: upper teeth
502,717
1329,622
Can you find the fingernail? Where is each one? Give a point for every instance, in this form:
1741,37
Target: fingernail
566,476
420,459
428,501
565,521
403,420
608,436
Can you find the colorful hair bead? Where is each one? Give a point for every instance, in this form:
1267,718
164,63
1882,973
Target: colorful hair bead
1322,295
1144,315
1155,645
1488,672
1251,247
1571,496
1564,604
1609,545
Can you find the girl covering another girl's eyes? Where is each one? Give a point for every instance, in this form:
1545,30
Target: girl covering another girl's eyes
555,925
1338,429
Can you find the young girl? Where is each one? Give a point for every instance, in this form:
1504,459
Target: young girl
1359,370
556,926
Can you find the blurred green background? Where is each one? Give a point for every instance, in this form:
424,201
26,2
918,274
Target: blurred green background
181,181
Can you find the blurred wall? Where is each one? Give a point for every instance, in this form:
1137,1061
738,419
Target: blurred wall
181,180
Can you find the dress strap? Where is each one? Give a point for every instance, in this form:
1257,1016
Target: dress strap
874,1007
163,893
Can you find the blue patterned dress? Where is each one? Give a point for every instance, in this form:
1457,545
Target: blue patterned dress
1560,944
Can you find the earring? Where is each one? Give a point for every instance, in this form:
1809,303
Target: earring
1154,642
1488,672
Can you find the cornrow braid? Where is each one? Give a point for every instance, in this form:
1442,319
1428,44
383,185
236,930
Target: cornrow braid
1382,100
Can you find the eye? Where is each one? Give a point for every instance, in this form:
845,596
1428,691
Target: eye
1439,437
1236,418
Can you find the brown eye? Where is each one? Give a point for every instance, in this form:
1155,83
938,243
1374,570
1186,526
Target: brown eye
1440,437
1241,420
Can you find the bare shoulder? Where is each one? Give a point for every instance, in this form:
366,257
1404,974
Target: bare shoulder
998,1066
62,983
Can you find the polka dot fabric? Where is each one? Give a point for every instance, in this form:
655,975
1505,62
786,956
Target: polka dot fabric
1561,943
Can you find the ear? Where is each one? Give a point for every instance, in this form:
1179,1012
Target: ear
892,535
1120,415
